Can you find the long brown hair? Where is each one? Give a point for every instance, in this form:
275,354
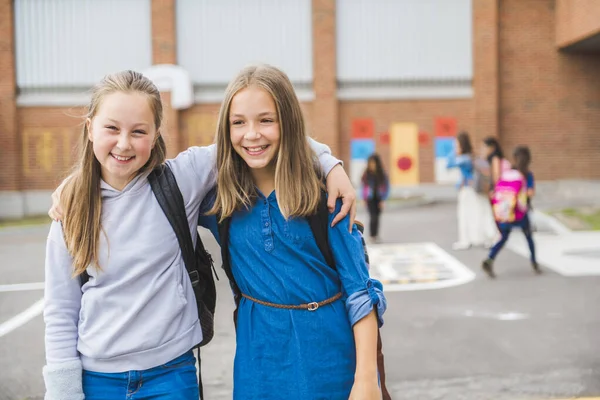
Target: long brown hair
522,157
378,174
297,183
81,195
464,142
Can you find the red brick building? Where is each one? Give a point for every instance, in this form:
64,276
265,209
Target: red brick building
533,78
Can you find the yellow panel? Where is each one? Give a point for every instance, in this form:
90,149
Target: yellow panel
404,153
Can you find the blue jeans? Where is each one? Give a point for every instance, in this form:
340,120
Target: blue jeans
506,228
174,380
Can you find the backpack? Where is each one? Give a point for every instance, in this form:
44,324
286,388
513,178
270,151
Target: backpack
509,201
319,225
482,179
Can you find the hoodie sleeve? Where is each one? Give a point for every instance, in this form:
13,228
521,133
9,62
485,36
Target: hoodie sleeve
195,170
323,152
62,303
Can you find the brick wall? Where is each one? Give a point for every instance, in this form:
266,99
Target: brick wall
422,112
325,106
525,92
50,137
485,68
576,20
548,99
164,39
9,138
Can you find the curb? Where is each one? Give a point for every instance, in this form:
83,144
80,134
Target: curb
552,224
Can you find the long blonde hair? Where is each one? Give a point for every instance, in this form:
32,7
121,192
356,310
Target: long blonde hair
297,184
81,195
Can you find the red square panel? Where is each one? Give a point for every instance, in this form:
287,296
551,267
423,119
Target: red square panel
363,129
445,127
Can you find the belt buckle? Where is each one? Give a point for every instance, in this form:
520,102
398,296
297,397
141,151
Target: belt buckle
313,306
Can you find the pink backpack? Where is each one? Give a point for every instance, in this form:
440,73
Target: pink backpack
510,197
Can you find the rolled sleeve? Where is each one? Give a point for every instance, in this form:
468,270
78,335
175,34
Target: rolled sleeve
363,293
360,304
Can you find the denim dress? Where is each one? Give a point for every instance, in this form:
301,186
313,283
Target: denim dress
296,354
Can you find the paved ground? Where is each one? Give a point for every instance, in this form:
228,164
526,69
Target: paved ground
519,337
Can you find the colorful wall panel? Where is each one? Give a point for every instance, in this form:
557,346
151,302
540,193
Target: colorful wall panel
444,146
362,146
404,153
445,132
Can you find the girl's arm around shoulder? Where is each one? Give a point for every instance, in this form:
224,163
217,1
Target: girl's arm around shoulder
62,302
364,294
323,152
195,170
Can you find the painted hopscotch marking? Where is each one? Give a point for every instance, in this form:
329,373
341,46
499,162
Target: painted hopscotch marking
416,266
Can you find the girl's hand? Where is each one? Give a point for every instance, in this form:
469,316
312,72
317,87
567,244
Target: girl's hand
339,186
365,389
381,206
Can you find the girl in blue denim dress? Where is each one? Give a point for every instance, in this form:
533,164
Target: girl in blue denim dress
267,185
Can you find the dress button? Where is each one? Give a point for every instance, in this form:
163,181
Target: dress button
266,224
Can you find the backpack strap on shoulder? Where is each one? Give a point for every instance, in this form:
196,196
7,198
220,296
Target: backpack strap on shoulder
224,227
319,225
165,188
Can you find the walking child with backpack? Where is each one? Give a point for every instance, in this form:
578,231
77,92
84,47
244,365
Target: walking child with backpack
121,299
511,200
308,312
375,190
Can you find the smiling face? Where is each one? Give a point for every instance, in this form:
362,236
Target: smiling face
123,134
254,128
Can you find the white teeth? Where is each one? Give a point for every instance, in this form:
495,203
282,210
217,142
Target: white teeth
254,149
122,158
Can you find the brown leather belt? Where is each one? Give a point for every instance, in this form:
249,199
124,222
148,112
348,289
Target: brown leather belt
309,306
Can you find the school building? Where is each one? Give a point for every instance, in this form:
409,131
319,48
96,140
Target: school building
399,77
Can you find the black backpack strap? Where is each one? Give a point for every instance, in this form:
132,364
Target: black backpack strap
224,227
83,278
319,225
165,188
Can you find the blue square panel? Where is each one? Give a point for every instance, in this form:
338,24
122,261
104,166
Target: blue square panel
361,149
444,146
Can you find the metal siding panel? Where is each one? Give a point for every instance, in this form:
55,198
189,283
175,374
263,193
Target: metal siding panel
74,43
383,40
215,39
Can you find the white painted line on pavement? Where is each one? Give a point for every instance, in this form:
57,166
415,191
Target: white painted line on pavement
564,254
19,287
509,316
22,318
